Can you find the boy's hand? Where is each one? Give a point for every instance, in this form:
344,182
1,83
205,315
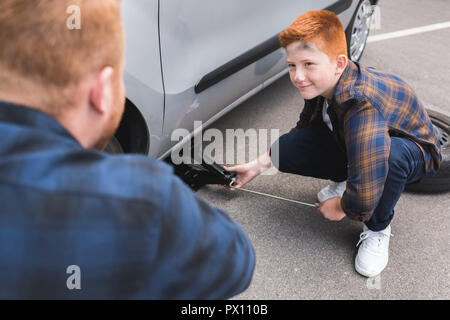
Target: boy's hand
245,173
248,171
331,209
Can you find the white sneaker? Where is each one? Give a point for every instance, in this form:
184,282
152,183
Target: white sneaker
335,189
373,254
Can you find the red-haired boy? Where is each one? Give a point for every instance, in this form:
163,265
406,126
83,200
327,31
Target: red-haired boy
361,128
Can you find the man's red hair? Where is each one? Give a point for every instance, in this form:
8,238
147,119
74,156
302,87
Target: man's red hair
321,27
38,47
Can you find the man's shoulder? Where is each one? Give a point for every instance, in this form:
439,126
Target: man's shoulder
88,173
128,176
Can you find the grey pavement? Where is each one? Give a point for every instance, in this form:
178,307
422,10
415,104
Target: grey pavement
300,255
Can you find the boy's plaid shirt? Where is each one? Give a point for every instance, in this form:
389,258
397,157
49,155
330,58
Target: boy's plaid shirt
368,108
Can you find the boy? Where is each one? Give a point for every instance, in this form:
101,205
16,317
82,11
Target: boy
363,129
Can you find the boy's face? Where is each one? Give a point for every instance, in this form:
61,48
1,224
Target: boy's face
311,70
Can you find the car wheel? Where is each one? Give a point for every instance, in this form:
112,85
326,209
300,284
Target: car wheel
440,182
358,30
114,146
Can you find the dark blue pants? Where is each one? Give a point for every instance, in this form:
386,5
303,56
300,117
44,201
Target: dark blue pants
313,152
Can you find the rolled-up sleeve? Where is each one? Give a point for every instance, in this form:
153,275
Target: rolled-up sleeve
368,145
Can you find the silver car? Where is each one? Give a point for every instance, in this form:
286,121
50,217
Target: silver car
196,60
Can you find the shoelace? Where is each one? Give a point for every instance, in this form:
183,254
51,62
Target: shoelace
372,235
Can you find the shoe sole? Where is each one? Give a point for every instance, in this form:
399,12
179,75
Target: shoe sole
322,199
363,272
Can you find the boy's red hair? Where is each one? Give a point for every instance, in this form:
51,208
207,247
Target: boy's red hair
321,27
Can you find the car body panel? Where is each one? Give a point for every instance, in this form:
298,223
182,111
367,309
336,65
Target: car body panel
143,80
197,37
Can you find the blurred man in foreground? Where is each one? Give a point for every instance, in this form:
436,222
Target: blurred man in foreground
77,222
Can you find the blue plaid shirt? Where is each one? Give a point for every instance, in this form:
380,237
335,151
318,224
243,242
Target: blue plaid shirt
134,229
368,107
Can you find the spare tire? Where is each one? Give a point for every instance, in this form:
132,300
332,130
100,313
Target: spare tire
440,182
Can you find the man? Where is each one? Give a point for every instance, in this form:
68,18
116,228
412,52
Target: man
76,222
363,129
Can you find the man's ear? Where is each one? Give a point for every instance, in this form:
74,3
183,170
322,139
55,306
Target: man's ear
100,93
341,63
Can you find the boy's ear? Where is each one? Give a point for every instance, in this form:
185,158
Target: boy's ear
341,63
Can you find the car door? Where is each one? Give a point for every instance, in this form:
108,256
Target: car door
206,38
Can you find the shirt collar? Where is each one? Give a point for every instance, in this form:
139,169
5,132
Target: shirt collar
344,87
32,118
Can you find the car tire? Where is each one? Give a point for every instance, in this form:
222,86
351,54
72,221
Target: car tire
440,182
357,31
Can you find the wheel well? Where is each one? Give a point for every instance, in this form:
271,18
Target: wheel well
133,132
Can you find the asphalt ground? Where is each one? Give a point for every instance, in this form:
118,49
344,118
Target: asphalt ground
301,255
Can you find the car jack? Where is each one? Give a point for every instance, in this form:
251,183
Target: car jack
209,172
199,175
